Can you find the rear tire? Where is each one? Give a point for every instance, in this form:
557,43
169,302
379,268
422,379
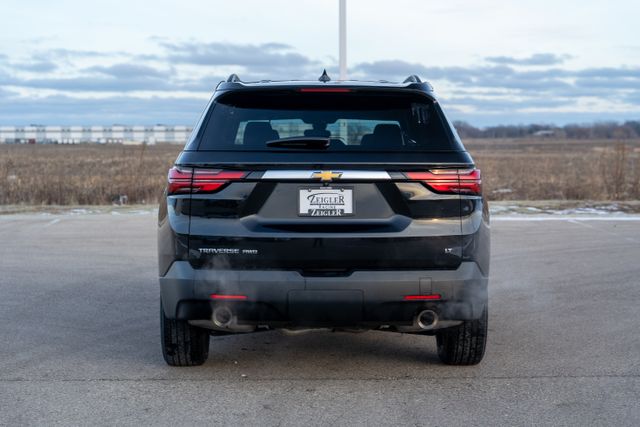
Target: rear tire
464,344
183,344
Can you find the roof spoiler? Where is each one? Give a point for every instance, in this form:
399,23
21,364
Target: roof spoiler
233,78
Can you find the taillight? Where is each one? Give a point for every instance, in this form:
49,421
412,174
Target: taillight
179,180
212,180
457,181
188,180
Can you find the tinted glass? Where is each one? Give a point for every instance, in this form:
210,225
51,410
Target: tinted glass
351,121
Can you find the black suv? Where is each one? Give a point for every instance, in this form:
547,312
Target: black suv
320,204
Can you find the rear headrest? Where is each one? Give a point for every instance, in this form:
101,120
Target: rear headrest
257,133
367,140
387,135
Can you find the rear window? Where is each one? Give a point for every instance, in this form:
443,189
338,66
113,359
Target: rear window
352,121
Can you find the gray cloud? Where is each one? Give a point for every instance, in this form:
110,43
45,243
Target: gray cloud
80,53
93,84
4,93
38,66
268,55
505,104
204,84
120,77
506,85
390,69
609,72
116,78
535,59
66,110
607,83
125,71
552,81
632,97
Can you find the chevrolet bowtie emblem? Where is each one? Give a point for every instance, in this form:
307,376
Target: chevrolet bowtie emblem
326,176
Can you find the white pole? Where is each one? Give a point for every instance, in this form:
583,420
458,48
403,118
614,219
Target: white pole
343,39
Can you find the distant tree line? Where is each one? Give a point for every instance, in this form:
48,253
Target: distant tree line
600,130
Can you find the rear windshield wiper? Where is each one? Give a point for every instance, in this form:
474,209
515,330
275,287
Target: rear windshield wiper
307,142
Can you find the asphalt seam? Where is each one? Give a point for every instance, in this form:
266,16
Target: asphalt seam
217,380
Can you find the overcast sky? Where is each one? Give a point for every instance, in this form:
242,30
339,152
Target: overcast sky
491,62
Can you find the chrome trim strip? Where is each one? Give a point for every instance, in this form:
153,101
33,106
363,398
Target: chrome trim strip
354,175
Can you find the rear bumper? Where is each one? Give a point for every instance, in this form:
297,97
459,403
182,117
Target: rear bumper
279,298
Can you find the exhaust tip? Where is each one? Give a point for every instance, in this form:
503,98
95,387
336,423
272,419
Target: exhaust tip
222,317
427,319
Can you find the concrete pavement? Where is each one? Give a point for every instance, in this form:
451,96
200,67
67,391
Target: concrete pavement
80,339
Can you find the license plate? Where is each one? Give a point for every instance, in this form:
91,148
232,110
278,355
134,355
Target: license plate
325,201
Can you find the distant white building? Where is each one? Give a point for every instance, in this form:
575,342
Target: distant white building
543,133
118,134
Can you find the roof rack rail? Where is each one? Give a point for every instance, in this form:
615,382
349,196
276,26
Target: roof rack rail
412,79
233,78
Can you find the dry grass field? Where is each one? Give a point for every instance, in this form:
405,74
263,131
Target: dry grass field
517,169
551,169
87,174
